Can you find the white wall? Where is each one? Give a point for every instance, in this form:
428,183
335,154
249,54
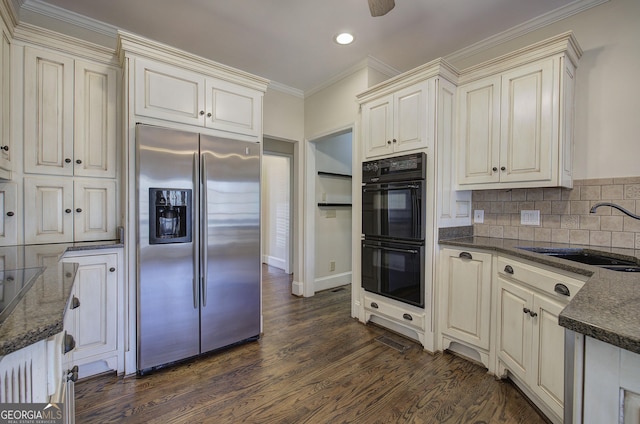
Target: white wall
275,209
607,120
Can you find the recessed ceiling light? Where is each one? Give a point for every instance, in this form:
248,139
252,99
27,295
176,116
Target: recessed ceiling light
344,38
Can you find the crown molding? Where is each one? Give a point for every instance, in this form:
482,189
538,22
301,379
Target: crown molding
276,86
8,14
69,17
524,28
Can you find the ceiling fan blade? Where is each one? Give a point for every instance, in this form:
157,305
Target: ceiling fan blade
381,7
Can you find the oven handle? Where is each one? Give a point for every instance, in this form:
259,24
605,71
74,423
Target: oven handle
392,249
399,187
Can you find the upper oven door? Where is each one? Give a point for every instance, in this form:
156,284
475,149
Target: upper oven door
393,210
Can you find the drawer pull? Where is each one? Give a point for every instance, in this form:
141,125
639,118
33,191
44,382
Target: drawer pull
408,317
562,289
374,305
69,343
508,269
465,255
530,312
75,303
526,310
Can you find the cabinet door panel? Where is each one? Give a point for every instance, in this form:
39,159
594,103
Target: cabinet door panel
5,113
529,130
9,214
95,209
479,131
377,118
95,120
410,109
514,335
233,108
167,92
46,203
48,112
548,353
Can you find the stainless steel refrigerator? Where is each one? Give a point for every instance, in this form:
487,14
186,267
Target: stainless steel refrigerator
198,244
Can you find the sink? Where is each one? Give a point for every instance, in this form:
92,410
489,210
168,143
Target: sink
588,257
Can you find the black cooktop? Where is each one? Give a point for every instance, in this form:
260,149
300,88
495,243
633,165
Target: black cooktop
14,283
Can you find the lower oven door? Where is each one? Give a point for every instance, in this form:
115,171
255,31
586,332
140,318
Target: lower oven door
394,270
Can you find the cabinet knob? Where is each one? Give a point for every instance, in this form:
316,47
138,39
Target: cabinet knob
78,161
112,269
72,374
10,213
395,141
201,112
209,115
67,210
495,169
502,168
5,148
67,160
388,141
508,269
78,210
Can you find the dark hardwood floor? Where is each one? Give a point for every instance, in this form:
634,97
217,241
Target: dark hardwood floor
314,364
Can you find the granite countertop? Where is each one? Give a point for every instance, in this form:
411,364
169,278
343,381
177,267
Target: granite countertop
608,305
40,312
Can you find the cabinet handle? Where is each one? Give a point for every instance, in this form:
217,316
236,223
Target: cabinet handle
502,168
508,269
72,374
533,314
78,161
10,213
374,305
69,343
408,317
5,148
562,289
67,210
112,269
388,141
526,310
394,140
209,115
465,255
78,210
495,169
75,303
201,112
67,160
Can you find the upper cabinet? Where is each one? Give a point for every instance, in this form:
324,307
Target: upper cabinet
175,94
69,115
396,122
515,118
5,96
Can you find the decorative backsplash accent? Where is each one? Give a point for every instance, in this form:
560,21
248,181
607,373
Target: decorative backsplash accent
564,213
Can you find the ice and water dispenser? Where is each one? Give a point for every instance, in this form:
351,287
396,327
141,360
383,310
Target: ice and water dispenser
169,215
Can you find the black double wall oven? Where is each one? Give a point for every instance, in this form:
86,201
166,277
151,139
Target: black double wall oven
393,227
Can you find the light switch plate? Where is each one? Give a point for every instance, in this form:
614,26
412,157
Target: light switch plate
530,217
478,216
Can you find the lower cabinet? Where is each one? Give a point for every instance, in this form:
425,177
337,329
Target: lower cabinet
529,341
401,317
94,315
465,315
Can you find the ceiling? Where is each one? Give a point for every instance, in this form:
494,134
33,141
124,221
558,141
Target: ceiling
291,41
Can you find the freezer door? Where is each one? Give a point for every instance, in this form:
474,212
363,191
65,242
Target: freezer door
168,299
230,293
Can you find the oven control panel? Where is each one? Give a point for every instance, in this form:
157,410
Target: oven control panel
399,168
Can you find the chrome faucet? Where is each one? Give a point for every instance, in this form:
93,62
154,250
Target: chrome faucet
613,205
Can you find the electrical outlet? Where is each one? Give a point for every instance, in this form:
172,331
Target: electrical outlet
332,265
478,216
530,217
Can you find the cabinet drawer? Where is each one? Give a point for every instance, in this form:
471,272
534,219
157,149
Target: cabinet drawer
540,277
406,315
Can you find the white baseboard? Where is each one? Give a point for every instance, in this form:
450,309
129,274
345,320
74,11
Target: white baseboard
297,288
332,281
273,261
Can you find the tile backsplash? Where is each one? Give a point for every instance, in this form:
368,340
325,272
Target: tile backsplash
564,213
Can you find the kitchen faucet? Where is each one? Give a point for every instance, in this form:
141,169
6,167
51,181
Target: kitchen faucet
613,205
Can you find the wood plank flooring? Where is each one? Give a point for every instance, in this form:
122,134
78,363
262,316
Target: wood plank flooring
314,364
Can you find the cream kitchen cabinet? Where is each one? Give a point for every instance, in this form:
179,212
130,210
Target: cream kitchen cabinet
397,122
62,210
465,300
95,314
515,119
171,93
5,105
530,343
70,123
9,214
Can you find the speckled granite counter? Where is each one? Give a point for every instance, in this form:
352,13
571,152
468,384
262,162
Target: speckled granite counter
607,308
40,312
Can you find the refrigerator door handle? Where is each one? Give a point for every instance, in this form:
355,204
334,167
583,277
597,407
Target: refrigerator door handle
196,274
204,240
